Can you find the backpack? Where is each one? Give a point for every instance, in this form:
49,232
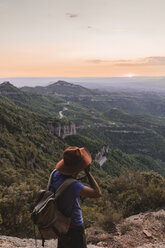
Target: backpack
46,216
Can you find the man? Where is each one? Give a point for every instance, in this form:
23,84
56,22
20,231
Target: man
74,160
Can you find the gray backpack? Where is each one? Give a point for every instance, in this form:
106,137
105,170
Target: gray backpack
46,216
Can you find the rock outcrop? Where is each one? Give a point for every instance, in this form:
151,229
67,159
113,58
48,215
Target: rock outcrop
99,156
62,129
144,230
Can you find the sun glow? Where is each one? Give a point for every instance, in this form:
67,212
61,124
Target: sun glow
129,75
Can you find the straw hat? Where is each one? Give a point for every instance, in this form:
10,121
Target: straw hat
74,160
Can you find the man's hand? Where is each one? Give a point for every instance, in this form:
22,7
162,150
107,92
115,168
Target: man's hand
94,190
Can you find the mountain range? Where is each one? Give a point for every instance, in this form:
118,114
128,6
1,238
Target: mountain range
131,84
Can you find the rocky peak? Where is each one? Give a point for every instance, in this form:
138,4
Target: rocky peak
6,83
7,88
63,84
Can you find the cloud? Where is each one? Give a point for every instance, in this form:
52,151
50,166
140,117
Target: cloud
96,61
160,60
94,29
148,61
71,15
108,61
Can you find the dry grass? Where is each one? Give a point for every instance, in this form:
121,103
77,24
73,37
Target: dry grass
127,227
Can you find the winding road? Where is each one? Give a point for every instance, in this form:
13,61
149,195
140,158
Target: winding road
61,112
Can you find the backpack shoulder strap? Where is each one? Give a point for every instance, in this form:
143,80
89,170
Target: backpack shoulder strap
62,187
50,179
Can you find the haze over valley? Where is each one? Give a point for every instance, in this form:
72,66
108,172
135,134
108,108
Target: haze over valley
128,83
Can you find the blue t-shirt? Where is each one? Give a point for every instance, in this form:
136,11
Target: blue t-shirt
69,201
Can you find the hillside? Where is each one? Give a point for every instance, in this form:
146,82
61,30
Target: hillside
134,102
29,151
132,133
30,148
143,103
47,105
93,146
51,104
132,122
117,160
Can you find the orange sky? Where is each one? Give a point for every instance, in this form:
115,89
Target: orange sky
75,38
82,71
32,68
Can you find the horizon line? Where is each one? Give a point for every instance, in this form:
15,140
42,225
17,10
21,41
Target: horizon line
90,77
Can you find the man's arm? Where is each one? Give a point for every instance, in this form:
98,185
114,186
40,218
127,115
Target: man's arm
93,191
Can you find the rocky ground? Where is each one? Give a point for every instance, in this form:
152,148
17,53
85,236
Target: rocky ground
145,230
13,242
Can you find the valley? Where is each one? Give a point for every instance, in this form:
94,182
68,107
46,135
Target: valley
123,131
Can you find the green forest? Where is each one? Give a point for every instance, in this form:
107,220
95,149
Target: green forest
132,177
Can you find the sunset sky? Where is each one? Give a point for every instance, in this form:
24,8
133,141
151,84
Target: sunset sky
82,38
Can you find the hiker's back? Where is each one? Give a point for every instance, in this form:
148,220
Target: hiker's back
47,215
68,202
